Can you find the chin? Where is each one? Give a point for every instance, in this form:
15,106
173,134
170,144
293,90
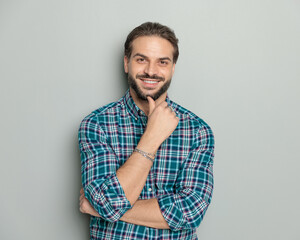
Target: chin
141,94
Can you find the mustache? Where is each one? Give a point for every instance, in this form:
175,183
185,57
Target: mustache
147,76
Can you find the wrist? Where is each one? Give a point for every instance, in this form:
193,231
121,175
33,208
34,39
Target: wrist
148,144
149,156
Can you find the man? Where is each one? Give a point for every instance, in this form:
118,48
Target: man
146,161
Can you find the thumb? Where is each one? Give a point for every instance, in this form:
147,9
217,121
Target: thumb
151,105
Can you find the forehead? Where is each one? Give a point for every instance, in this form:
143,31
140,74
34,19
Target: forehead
152,47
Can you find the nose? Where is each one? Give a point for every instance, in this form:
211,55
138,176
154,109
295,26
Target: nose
151,69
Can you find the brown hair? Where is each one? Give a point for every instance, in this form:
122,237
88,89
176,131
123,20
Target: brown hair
152,29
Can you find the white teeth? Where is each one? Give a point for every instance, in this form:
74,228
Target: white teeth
147,81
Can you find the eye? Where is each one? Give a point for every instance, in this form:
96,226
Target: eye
163,62
140,60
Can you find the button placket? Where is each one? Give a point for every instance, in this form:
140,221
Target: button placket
149,189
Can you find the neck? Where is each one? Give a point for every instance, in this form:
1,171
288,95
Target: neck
143,104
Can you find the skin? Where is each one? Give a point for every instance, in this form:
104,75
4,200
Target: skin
151,56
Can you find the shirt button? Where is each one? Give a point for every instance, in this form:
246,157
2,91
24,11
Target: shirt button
149,189
140,112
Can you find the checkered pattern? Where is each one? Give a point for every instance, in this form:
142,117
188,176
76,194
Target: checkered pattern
181,177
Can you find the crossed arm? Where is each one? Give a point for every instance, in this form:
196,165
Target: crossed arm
144,212
182,210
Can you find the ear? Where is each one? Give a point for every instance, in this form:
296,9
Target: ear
173,69
126,60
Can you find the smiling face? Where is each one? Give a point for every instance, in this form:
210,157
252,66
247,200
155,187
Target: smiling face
150,67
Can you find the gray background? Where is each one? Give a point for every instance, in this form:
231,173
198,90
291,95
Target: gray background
238,70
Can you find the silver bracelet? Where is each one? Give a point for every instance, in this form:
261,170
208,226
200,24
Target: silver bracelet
145,154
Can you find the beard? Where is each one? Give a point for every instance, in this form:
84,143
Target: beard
132,83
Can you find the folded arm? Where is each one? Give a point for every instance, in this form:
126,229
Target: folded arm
185,208
144,212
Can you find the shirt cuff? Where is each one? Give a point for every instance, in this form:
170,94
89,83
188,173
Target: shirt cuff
182,211
170,212
108,198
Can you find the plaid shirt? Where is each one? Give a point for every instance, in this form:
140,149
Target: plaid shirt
181,177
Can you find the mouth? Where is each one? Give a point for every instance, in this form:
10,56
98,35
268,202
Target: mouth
150,81
149,84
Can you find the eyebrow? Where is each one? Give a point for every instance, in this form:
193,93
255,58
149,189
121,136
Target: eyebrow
143,56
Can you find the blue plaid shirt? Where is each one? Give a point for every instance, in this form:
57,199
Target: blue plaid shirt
181,177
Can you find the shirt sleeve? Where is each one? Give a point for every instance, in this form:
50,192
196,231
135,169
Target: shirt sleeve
98,169
185,208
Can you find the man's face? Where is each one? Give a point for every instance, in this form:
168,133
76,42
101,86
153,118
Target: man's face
150,67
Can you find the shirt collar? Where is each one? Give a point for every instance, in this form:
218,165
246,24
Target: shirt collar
133,109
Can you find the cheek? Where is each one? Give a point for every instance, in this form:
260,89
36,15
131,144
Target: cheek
134,68
167,73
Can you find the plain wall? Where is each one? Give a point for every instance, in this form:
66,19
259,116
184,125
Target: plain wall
238,69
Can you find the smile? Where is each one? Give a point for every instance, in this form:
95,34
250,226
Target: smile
150,81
